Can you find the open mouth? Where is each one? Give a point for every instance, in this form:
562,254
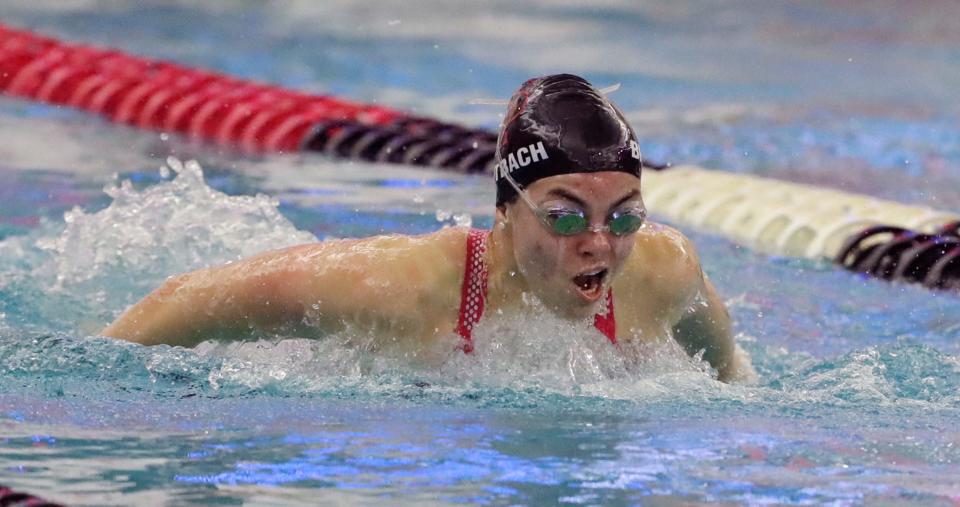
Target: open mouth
590,284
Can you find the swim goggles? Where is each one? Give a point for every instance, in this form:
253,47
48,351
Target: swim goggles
566,222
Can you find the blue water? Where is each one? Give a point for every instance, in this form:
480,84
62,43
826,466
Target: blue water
857,398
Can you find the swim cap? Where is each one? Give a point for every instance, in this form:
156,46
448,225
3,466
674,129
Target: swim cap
561,124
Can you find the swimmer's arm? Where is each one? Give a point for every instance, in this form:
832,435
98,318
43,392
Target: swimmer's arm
230,301
173,314
700,319
383,282
705,325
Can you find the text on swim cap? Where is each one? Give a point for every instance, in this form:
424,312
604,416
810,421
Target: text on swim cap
634,149
522,157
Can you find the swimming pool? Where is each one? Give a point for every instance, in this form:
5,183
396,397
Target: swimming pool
857,398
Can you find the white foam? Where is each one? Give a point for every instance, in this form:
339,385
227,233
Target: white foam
536,349
144,236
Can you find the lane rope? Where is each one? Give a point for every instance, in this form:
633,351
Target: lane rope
11,498
167,97
875,237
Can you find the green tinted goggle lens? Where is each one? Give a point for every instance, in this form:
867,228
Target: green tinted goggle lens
568,224
626,224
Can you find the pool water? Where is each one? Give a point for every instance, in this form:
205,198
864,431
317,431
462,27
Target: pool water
857,397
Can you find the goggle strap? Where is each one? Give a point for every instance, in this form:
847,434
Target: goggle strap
523,194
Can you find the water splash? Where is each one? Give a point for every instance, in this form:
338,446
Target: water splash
80,274
176,226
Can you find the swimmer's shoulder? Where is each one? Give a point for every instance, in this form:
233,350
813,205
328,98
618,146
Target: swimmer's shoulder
440,248
424,273
439,256
443,251
429,265
397,276
422,262
664,264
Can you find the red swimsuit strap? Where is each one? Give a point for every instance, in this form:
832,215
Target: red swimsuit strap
474,289
605,322
473,293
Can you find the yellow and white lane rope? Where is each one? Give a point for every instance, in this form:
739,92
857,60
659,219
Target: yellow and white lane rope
775,216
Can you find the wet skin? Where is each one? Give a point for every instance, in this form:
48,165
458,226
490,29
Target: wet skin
406,289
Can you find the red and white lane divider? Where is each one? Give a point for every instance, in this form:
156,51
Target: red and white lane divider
168,97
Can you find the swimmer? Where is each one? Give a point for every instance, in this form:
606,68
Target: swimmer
570,229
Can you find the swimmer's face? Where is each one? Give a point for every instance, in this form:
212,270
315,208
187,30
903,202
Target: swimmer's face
571,274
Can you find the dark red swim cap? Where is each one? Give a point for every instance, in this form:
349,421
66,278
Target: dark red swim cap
561,124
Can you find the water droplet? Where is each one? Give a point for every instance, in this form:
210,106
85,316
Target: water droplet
463,219
175,164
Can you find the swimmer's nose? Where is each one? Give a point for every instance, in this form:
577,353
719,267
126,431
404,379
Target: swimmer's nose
594,243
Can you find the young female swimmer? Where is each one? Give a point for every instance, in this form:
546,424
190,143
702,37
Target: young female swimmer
570,229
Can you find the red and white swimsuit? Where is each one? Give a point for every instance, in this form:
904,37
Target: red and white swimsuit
474,294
